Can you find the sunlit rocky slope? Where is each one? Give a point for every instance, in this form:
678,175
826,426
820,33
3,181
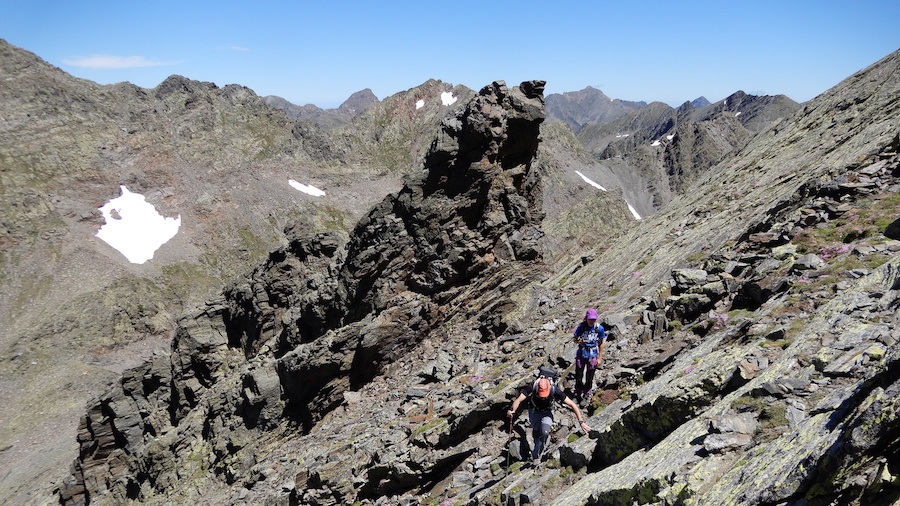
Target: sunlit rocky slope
753,335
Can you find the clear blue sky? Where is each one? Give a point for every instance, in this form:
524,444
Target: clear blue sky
321,52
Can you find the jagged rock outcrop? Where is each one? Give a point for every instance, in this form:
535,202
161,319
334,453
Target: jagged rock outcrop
323,317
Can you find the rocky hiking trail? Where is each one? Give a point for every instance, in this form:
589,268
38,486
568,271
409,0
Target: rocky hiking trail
751,358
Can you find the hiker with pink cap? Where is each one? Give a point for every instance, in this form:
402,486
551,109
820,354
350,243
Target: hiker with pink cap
591,339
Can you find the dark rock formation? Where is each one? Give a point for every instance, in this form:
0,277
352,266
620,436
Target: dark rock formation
218,157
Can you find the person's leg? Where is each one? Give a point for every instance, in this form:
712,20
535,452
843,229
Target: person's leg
579,373
541,424
589,379
534,417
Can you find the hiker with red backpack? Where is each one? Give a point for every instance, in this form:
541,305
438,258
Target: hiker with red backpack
591,339
541,395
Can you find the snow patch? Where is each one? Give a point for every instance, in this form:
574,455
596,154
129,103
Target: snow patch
670,137
447,98
633,211
420,104
134,227
655,143
308,189
589,181
619,136
737,114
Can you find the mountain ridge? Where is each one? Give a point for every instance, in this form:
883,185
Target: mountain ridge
326,118
587,106
735,373
668,148
382,144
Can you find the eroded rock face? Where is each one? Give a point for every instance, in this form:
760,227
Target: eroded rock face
324,315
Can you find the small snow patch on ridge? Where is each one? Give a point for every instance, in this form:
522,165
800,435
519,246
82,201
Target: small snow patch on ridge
595,185
420,104
447,98
633,211
307,189
589,181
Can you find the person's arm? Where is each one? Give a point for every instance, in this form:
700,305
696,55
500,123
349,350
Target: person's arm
515,406
578,415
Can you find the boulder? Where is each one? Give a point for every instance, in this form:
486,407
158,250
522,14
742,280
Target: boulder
688,306
809,262
741,423
893,230
784,251
685,279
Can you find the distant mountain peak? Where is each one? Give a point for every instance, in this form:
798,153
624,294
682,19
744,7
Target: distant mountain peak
359,101
326,118
700,102
589,105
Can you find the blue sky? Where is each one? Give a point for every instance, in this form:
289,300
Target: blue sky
322,52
